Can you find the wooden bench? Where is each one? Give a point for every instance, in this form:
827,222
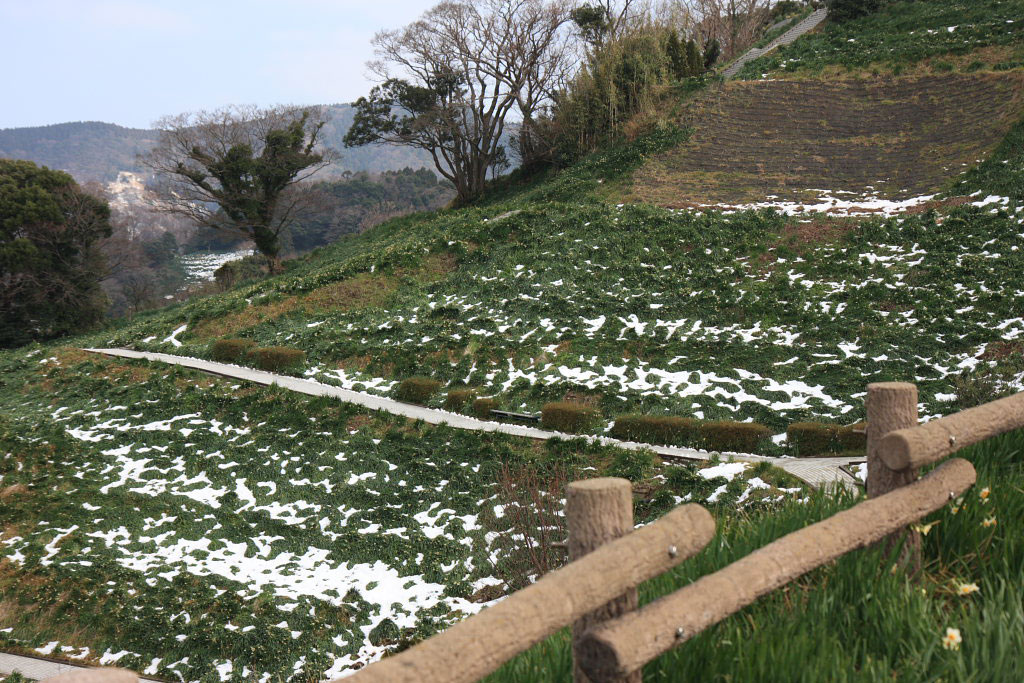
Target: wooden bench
522,417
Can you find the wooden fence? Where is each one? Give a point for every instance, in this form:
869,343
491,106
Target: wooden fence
596,590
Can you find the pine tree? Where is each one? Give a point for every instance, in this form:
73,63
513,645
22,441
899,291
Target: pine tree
712,53
694,61
676,56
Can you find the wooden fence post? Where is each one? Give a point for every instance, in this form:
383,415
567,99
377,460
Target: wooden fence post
598,511
891,406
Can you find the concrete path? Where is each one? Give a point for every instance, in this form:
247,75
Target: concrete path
815,471
38,669
805,25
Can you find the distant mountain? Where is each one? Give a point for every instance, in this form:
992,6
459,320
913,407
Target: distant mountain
91,150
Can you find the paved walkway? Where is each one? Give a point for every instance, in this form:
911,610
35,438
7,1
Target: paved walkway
41,669
815,471
805,25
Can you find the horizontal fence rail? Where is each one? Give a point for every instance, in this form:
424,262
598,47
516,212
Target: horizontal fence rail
922,445
480,644
617,648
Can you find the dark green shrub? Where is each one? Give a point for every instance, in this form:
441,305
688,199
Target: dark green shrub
656,429
852,437
741,437
844,10
812,438
457,399
633,465
417,389
809,439
572,418
275,358
230,350
482,407
384,633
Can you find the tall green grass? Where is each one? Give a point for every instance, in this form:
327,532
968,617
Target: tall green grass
856,620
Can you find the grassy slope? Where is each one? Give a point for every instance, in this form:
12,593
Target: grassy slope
737,316
934,36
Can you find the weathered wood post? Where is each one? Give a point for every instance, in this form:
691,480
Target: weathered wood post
598,511
891,406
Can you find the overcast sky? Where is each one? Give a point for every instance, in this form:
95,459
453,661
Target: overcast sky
131,61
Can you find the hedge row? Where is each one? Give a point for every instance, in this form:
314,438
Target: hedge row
275,358
684,431
417,389
457,399
482,407
230,350
663,430
569,417
815,438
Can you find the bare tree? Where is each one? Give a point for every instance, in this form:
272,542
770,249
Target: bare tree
451,80
735,24
238,169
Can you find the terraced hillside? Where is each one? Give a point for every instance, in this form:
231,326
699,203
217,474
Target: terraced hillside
895,137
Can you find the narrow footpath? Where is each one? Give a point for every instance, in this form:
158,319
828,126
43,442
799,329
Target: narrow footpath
815,471
41,669
809,22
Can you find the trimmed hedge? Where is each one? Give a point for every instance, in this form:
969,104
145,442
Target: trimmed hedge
850,440
230,350
657,429
275,358
457,399
572,418
809,439
742,437
417,389
482,407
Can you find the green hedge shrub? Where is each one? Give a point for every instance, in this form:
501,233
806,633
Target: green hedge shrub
657,429
457,399
742,437
275,358
417,389
812,438
851,440
572,418
482,407
230,350
809,439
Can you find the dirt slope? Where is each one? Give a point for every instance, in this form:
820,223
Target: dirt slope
897,137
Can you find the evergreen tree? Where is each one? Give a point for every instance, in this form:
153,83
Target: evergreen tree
676,56
712,53
694,61
50,264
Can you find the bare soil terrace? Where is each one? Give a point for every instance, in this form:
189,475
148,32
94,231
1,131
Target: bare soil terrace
895,138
